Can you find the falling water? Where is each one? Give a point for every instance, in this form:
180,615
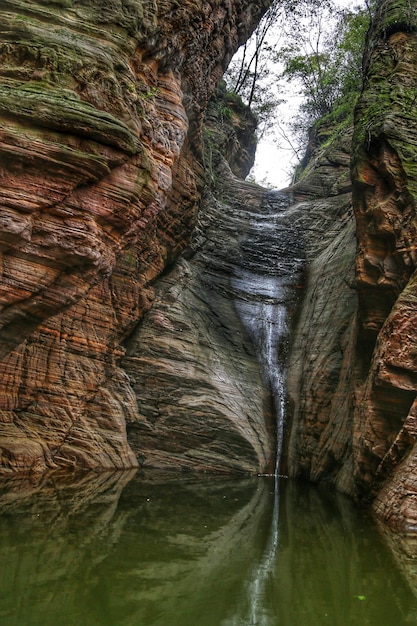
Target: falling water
258,261
264,289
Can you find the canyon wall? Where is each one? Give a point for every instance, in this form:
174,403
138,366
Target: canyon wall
203,403
147,293
385,194
355,401
321,358
101,108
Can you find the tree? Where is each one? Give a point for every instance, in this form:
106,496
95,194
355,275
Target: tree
309,47
250,72
326,63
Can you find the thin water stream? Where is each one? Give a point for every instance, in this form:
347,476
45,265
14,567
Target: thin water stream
111,550
186,550
264,286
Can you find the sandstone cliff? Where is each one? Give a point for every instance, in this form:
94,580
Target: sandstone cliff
205,359
108,181
385,194
322,347
354,393
101,106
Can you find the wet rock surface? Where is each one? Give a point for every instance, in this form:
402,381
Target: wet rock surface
322,347
104,168
206,360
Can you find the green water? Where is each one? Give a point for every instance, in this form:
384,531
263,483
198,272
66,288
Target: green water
110,550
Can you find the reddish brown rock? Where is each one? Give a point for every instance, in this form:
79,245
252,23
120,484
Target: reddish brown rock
100,120
101,173
385,194
353,369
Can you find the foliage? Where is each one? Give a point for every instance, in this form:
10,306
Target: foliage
326,64
309,48
253,71
249,72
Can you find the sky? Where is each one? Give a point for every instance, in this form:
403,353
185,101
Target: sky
274,166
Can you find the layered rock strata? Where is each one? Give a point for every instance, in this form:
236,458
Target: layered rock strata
101,174
385,194
322,348
353,367
100,111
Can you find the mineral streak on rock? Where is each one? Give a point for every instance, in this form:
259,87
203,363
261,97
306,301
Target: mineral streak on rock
385,194
100,125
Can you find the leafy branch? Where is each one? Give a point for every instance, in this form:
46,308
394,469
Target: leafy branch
312,48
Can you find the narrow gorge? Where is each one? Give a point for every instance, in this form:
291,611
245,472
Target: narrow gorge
160,311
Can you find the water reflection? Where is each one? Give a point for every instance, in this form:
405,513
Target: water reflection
187,550
333,566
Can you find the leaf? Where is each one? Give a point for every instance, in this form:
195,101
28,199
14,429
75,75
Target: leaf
360,597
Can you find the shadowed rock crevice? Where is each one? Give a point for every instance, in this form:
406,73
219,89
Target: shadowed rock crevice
385,195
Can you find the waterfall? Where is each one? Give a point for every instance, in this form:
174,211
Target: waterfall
266,321
251,251
263,284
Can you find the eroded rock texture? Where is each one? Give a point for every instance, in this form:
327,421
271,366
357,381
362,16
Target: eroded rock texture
101,178
353,367
385,193
206,360
322,351
100,119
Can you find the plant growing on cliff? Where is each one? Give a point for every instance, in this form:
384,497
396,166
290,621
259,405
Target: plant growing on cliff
252,73
326,65
310,49
249,72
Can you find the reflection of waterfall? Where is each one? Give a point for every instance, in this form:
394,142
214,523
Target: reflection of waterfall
263,285
265,570
255,611
181,550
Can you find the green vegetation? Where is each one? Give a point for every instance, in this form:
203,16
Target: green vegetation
312,51
62,110
327,65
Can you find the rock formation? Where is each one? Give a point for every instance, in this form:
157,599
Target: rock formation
322,350
385,195
205,359
355,409
100,108
115,171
